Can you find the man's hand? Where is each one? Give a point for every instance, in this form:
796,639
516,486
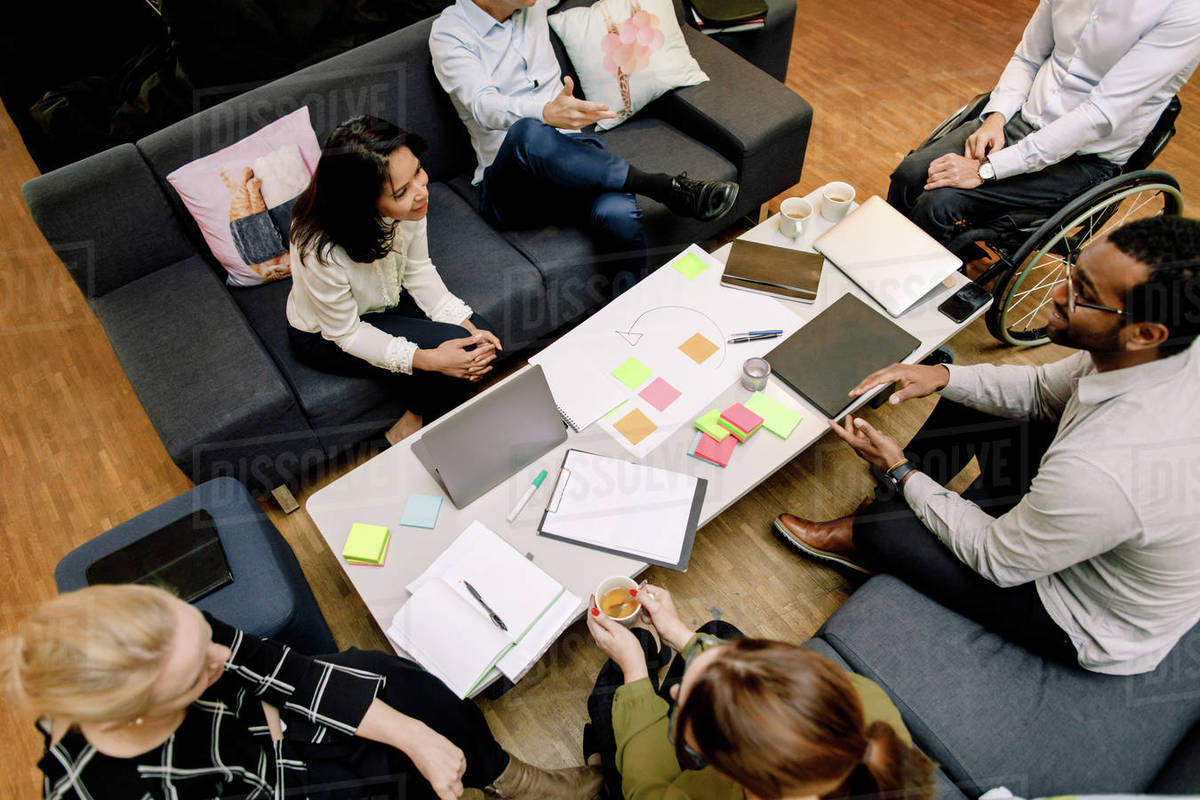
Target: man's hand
452,358
618,643
955,171
912,380
988,138
871,445
568,111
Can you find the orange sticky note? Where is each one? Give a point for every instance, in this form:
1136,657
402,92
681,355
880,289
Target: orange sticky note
635,426
698,348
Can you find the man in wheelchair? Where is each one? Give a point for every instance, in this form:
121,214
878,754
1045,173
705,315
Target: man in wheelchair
1078,539
1082,91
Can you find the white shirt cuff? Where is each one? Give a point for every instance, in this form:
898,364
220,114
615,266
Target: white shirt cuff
1006,161
451,309
399,355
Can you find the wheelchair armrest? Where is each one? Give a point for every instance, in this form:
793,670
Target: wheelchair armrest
1157,139
971,110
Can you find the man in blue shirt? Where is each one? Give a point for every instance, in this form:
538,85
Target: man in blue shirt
495,60
1080,94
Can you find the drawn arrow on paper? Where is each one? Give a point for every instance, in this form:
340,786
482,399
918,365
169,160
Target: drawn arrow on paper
632,336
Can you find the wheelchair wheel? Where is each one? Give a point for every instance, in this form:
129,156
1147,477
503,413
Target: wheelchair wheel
1021,307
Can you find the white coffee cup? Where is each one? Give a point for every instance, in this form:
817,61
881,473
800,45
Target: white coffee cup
793,213
617,582
836,198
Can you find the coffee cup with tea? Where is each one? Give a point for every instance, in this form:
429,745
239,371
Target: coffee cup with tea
836,198
793,214
615,599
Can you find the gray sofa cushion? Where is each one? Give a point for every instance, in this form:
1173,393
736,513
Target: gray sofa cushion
1181,775
208,387
944,789
995,714
108,220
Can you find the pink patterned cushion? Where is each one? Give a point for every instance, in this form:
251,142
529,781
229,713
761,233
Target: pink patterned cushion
242,196
627,53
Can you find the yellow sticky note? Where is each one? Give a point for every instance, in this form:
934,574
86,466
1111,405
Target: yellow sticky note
366,543
689,265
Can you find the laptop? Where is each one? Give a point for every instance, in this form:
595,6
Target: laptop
835,350
887,255
483,444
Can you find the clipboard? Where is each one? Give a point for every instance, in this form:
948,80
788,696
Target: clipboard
600,521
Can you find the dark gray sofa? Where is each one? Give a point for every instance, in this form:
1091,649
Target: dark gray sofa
212,366
993,714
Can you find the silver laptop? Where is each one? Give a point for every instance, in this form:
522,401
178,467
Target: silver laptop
887,255
482,444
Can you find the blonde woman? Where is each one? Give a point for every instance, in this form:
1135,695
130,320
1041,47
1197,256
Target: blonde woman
140,695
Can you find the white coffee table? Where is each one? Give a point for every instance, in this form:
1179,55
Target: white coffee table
375,492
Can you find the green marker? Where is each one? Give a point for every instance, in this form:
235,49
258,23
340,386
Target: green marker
533,487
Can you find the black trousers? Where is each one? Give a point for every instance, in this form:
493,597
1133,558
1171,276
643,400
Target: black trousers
598,735
889,537
945,212
358,769
429,394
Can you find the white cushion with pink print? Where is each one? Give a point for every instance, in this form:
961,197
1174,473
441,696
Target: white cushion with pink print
241,197
627,53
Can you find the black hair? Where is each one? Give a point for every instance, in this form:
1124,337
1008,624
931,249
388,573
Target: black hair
339,205
1170,247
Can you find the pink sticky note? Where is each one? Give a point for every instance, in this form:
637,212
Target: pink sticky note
659,394
716,452
741,417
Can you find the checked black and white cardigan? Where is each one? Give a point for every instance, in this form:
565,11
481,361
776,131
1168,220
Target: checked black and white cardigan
223,747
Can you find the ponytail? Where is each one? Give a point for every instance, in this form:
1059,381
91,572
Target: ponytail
895,768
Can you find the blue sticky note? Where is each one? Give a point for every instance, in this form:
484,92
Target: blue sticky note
421,510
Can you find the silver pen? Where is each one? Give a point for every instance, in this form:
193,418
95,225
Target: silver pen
495,617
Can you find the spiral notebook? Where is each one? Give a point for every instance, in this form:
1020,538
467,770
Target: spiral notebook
581,393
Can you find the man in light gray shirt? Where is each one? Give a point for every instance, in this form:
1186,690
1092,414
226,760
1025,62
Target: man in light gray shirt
534,165
1080,539
1080,94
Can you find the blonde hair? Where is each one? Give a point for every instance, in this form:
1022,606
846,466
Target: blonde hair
91,655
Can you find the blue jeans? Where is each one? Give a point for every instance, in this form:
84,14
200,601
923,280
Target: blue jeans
541,176
946,212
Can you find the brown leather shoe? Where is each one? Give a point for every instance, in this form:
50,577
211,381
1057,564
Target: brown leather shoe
825,541
523,781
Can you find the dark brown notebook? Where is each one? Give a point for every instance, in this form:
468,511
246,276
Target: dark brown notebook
835,350
779,271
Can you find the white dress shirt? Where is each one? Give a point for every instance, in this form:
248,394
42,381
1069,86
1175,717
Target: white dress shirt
1109,530
495,72
1093,76
330,294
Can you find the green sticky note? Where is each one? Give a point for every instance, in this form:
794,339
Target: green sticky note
366,543
777,418
632,373
710,424
689,265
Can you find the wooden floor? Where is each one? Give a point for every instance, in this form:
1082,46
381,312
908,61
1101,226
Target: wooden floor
80,455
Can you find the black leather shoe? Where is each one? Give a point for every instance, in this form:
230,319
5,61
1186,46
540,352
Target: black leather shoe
702,200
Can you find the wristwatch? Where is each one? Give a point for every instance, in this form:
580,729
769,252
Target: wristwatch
987,172
897,473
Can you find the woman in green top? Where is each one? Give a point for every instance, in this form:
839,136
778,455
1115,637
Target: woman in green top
740,719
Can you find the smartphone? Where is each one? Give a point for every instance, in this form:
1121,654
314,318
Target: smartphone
965,302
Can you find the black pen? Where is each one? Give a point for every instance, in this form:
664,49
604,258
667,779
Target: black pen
495,617
753,337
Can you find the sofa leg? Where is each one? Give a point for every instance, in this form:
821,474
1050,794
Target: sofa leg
283,495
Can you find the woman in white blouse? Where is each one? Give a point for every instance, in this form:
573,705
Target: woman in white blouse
357,243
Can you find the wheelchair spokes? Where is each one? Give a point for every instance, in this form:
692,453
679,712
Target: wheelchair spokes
1019,313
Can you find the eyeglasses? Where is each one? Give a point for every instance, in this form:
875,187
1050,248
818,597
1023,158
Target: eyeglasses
697,761
1073,296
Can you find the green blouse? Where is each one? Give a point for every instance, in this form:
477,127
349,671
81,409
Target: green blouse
646,757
